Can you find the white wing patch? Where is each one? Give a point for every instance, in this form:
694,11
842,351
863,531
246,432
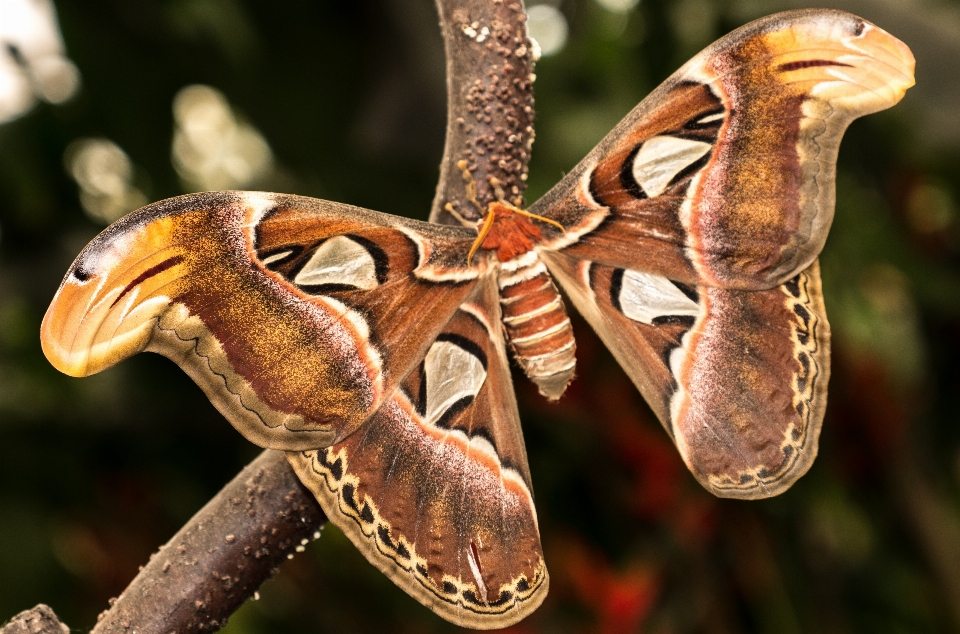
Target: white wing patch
661,158
451,374
339,260
276,257
644,297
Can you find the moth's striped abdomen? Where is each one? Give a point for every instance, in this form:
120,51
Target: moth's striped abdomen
536,324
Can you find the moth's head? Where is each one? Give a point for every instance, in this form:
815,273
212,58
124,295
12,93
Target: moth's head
112,295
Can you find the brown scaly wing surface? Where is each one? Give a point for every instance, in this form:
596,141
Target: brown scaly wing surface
435,489
738,378
297,317
724,175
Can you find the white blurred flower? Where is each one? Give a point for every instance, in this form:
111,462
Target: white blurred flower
33,63
547,26
212,149
105,176
618,6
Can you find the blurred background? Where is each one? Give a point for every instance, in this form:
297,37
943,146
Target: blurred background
108,104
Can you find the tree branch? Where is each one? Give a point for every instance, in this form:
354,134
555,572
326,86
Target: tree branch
221,556
489,102
39,620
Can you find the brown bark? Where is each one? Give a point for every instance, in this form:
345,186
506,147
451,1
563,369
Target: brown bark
489,102
221,556
39,620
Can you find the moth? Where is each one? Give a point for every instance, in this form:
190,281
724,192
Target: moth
375,349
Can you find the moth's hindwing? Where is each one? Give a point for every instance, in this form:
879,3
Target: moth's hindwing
297,317
435,489
724,175
738,378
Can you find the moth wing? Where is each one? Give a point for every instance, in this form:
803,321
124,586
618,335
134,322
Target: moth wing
738,378
724,175
435,489
298,317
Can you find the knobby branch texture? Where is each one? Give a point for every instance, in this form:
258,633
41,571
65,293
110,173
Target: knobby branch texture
489,102
39,620
221,556
235,543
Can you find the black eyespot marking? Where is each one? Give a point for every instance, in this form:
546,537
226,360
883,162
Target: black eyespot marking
861,27
80,274
448,587
523,585
366,514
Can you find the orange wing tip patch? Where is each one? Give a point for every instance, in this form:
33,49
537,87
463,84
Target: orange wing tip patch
107,306
850,63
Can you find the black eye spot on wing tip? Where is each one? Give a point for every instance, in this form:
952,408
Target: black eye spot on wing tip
80,274
860,28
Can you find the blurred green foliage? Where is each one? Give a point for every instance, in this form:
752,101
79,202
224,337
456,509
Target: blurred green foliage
96,473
